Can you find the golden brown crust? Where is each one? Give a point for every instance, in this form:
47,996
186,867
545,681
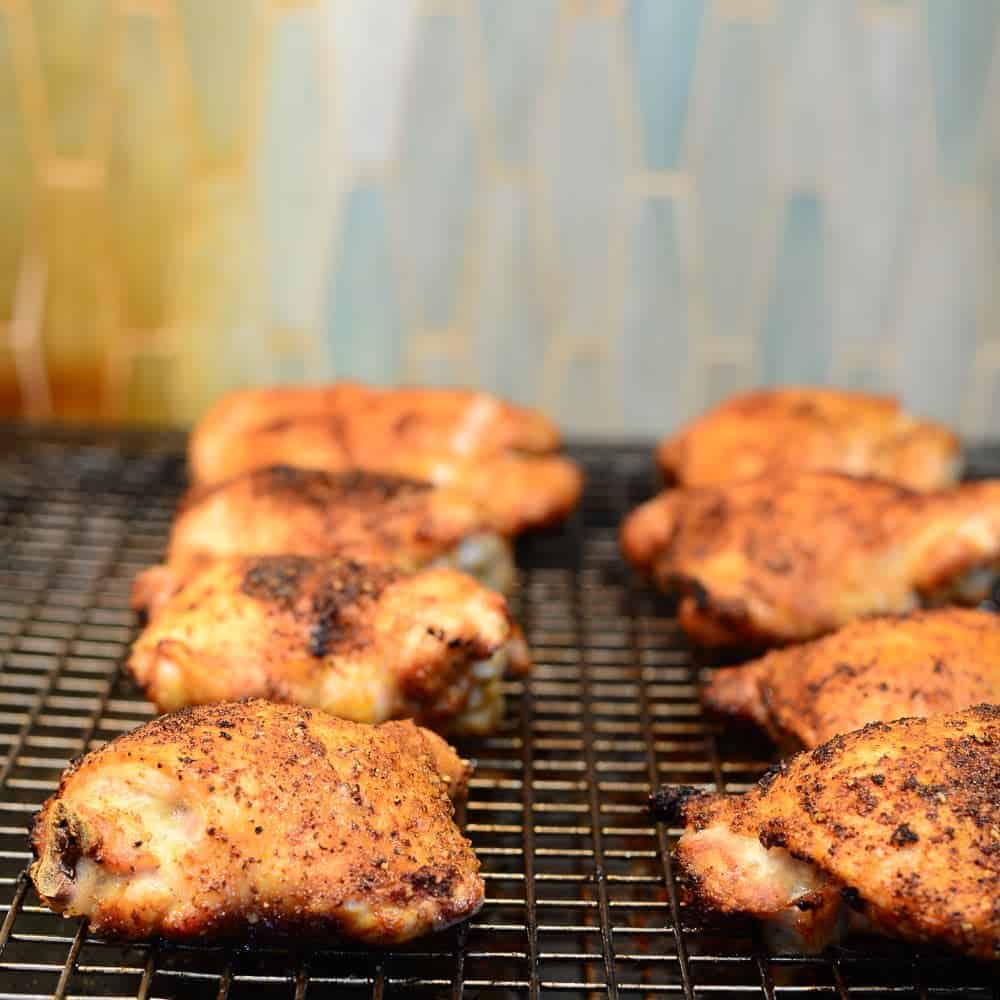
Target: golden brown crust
873,670
367,418
792,429
786,558
259,818
366,643
519,494
497,452
902,817
280,510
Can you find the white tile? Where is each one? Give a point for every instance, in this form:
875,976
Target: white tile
437,187
941,312
511,328
584,159
369,46
882,160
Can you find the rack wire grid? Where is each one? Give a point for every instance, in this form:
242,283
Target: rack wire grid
581,898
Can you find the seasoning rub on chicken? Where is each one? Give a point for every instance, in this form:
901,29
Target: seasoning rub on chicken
784,558
893,828
871,670
367,643
792,429
375,518
256,818
499,453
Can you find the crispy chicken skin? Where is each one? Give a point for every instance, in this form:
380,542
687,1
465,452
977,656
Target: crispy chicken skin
447,421
362,642
792,429
518,493
899,821
871,670
785,558
252,817
498,452
285,511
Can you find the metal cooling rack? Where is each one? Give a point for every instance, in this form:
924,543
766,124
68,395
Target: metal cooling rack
581,899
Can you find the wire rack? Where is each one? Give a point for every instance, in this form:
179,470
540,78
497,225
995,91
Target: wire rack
581,900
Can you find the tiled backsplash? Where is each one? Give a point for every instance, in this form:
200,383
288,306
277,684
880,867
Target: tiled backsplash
617,209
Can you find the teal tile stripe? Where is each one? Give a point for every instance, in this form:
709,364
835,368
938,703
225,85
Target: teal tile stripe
293,187
795,340
511,334
950,274
664,35
517,38
656,339
733,175
583,162
616,211
438,175
960,40
363,331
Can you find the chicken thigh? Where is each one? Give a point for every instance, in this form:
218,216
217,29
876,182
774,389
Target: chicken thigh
427,420
785,558
499,453
871,670
362,515
894,827
363,642
793,429
235,819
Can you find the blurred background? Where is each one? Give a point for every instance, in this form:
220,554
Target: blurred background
620,210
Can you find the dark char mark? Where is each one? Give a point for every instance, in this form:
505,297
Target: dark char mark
316,592
668,802
355,486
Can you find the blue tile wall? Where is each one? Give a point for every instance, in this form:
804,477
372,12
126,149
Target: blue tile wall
664,76
516,38
795,341
733,171
511,325
618,210
363,332
657,338
294,195
438,173
961,43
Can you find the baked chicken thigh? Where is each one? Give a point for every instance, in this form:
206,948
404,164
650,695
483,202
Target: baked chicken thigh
499,453
427,420
248,818
871,670
375,518
784,558
892,828
363,642
792,429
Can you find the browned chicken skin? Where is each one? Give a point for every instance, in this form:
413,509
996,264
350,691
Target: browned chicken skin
285,511
793,429
253,817
872,670
499,453
363,642
899,821
449,421
784,558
